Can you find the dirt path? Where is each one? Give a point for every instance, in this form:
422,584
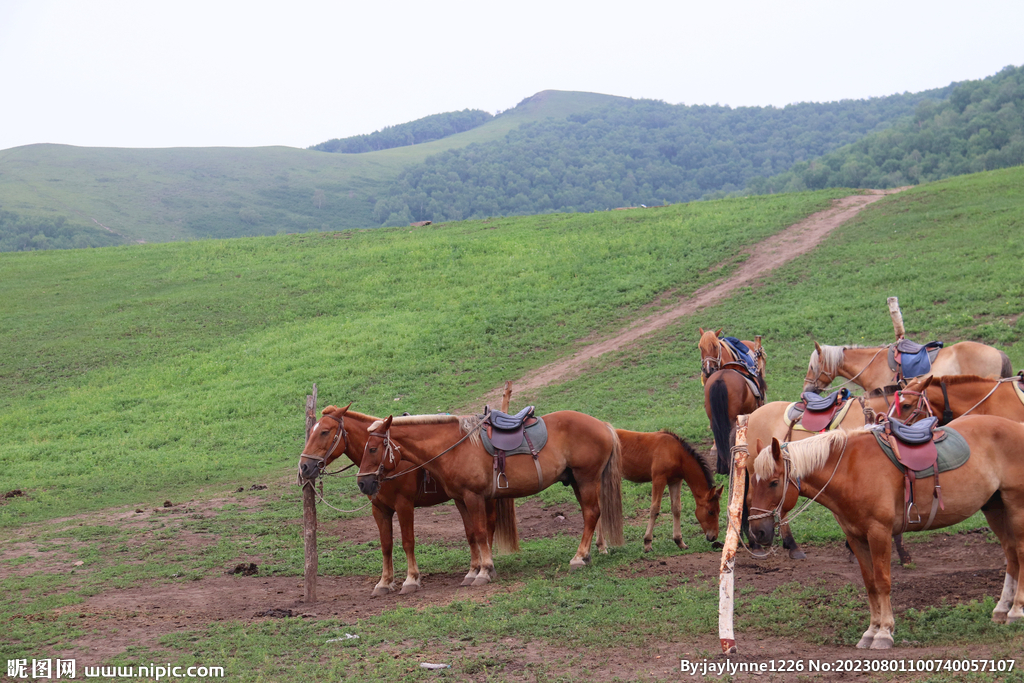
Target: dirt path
766,256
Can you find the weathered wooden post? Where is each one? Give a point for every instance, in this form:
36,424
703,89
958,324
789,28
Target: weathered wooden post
309,513
506,397
726,577
897,317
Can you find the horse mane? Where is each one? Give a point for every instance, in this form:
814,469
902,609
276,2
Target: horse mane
465,422
954,380
805,456
832,359
705,466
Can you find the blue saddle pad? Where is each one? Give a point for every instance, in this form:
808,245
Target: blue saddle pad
742,352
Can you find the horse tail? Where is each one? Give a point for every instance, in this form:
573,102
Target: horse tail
611,493
1007,369
721,427
506,528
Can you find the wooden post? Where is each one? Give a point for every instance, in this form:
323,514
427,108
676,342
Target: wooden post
897,317
726,576
506,397
309,514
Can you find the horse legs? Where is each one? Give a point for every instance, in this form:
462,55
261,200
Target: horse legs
588,495
860,549
405,522
789,543
675,490
1010,597
873,555
904,554
657,490
476,520
384,517
474,553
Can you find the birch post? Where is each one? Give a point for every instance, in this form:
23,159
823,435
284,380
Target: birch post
726,576
897,317
506,397
309,514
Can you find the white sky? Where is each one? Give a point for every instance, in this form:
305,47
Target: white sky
153,73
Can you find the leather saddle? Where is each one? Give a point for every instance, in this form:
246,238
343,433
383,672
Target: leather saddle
914,446
819,411
909,359
507,433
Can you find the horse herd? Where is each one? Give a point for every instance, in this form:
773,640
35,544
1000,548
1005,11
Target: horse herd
422,460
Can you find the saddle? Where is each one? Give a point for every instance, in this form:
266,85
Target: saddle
818,413
909,359
511,435
912,448
740,350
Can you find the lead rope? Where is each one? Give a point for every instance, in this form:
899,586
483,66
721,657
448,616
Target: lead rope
320,497
739,532
790,518
998,382
842,384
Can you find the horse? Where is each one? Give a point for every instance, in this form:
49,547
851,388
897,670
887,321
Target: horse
768,422
868,367
581,451
727,394
716,354
341,430
665,458
851,476
953,396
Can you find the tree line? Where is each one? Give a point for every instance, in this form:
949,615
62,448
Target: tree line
30,233
415,132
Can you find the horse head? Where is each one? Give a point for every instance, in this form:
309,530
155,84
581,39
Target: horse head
710,351
378,457
767,492
708,508
819,372
911,403
326,441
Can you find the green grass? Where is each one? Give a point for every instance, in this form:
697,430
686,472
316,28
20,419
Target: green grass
163,195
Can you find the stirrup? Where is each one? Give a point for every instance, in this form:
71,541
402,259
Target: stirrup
500,475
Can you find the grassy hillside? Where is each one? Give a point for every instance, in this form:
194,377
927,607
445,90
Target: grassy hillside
162,195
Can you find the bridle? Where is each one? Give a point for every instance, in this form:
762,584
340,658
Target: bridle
709,365
389,456
816,384
341,436
922,406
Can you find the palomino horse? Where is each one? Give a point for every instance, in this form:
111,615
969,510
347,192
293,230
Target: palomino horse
768,422
581,451
953,396
868,367
665,458
341,430
716,354
853,478
727,394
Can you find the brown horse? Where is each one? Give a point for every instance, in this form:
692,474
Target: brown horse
345,431
716,354
868,367
581,451
665,458
768,422
727,394
966,394
853,478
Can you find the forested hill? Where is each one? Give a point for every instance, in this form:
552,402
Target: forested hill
413,133
632,152
980,127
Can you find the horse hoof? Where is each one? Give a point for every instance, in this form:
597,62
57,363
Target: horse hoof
999,617
604,551
1011,618
468,581
576,563
797,555
380,591
680,543
881,642
481,580
865,642
648,547
409,588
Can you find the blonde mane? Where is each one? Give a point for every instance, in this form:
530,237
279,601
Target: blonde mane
465,422
804,456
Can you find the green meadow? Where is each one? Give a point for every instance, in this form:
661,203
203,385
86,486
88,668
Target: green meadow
132,375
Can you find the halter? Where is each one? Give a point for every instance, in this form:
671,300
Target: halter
342,435
921,408
389,456
710,366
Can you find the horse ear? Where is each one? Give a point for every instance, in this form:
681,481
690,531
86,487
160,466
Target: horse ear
719,333
776,452
926,382
818,349
700,331
760,445
387,423
716,493
344,410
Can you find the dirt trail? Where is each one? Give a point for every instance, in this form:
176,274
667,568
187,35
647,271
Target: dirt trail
766,256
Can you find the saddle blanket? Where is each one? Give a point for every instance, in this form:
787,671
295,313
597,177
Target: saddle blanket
915,359
538,433
953,451
740,350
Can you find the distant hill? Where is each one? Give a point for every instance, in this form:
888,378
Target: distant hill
979,127
163,195
631,152
413,133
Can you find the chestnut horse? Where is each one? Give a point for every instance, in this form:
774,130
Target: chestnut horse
967,394
665,458
853,478
868,367
715,354
345,431
581,451
727,394
768,422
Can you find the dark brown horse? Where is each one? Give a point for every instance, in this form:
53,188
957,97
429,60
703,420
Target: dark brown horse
341,430
664,458
953,396
853,478
727,394
581,451
868,367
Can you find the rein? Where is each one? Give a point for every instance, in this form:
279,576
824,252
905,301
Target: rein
989,394
844,383
387,439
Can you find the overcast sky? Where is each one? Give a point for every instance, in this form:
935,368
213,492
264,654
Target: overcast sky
150,73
